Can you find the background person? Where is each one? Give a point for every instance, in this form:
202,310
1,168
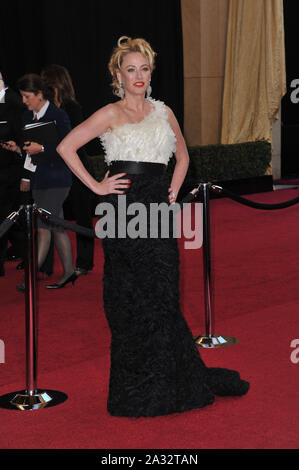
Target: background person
80,198
52,179
11,109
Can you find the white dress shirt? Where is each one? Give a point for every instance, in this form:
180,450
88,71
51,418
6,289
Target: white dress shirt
38,115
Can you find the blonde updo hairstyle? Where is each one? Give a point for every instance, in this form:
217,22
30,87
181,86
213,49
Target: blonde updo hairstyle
125,45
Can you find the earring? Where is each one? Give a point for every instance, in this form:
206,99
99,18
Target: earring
148,91
121,91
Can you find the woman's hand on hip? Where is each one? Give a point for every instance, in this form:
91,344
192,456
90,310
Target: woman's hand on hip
112,185
172,196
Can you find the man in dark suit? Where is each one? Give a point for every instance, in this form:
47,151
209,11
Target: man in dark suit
11,109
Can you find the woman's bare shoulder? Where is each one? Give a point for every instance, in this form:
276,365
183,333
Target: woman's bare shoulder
171,117
103,118
110,112
170,112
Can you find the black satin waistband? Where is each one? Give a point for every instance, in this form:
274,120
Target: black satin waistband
136,168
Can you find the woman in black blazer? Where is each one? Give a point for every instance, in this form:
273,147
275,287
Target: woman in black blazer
51,180
80,198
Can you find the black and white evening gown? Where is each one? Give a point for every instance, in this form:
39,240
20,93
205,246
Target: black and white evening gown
156,368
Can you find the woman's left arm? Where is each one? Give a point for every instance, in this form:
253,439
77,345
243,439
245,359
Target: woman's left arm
182,158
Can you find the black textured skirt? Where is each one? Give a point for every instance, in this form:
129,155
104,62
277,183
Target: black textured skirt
156,368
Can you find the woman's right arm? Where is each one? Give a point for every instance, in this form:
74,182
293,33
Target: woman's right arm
91,128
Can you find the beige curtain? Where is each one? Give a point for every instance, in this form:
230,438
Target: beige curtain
254,71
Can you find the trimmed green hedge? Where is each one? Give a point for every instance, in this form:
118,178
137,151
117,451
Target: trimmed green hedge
214,162
230,162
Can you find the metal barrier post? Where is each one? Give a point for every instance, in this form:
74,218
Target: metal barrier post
209,339
31,398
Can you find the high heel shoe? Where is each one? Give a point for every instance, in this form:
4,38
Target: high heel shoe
72,278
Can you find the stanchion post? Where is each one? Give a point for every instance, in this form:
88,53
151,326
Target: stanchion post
30,300
31,398
209,339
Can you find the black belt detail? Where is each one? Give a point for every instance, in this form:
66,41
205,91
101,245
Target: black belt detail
136,168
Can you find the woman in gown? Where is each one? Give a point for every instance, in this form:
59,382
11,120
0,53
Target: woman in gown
156,368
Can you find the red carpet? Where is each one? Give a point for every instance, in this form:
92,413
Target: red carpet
256,271
286,181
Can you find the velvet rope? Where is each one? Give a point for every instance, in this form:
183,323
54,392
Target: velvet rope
5,226
8,222
255,205
48,217
192,195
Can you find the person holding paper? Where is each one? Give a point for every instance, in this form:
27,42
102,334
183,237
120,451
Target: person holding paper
46,173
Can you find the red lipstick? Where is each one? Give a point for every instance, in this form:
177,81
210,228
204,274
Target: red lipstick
140,84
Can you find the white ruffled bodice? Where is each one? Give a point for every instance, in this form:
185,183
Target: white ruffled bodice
150,140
